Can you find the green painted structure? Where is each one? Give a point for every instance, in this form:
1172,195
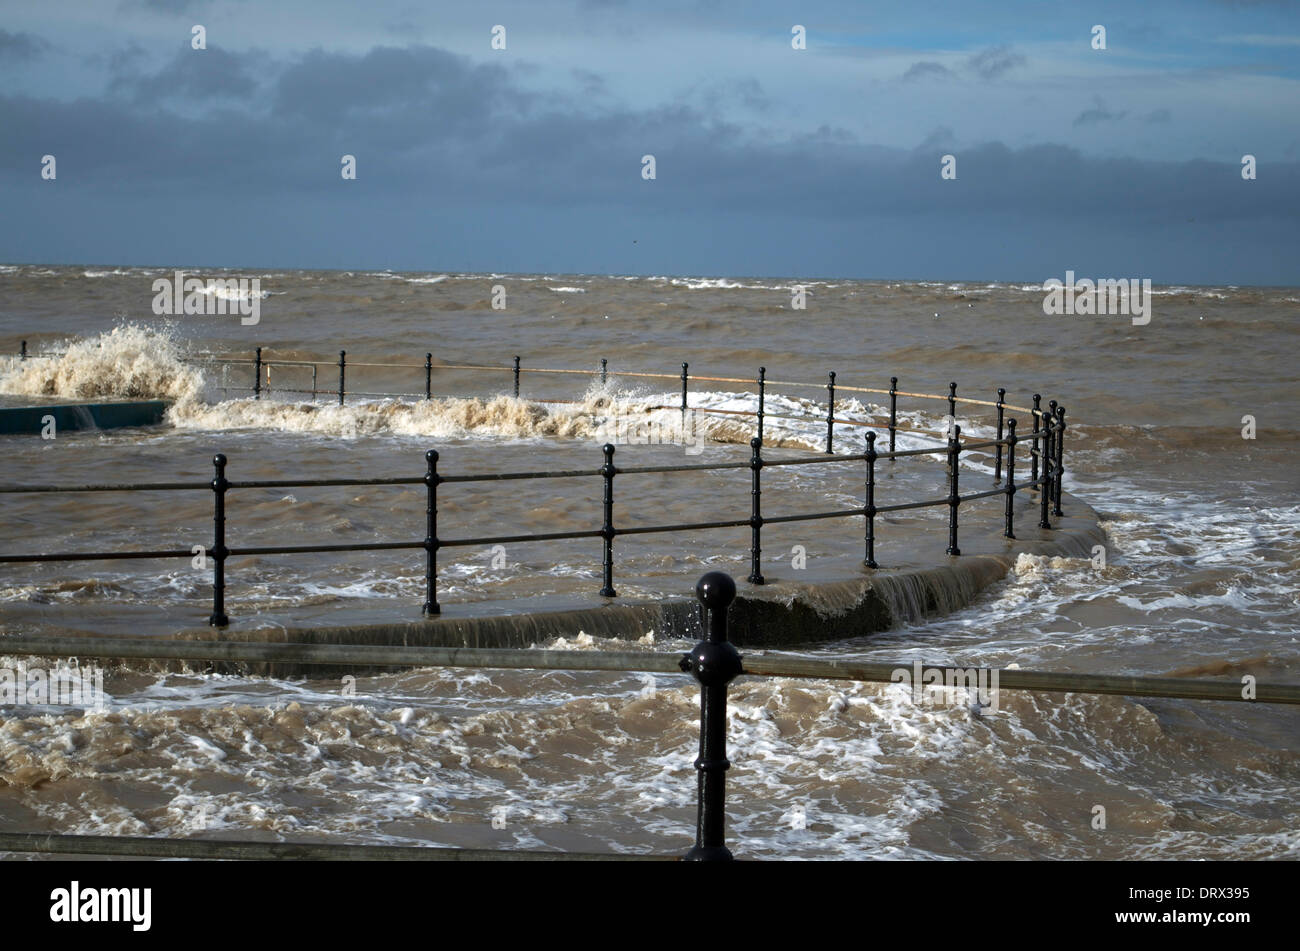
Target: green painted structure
32,420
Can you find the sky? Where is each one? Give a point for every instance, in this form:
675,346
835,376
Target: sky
820,162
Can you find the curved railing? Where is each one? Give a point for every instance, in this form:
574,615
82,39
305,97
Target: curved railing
1046,454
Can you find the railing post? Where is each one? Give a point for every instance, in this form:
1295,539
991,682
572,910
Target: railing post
22,352
428,376
1037,416
714,662
516,376
313,380
954,455
1045,490
607,530
893,412
219,551
684,366
755,513
1051,450
869,510
1059,455
952,401
257,374
762,388
343,361
603,370
997,470
830,416
1011,477
431,481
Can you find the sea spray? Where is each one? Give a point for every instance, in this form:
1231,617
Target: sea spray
129,361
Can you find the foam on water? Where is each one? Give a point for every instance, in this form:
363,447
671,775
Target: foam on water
129,361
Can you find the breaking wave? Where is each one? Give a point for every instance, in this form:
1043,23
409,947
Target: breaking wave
129,361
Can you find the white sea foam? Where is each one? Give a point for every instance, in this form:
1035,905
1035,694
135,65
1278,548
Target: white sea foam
128,361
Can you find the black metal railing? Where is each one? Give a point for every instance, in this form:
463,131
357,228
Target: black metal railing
713,662
1047,437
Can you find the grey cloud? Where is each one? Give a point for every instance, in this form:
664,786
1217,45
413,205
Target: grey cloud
421,82
1159,115
994,62
171,6
941,138
1098,113
21,47
591,83
926,69
434,133
199,75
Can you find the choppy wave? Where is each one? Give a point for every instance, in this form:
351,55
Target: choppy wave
129,361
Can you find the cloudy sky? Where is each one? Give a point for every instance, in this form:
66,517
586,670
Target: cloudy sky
820,162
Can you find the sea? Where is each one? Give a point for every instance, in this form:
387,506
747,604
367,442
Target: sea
1181,435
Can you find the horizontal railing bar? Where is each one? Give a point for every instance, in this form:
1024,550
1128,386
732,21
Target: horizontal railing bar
354,655
233,361
307,549
624,373
507,476
814,460
903,506
1051,682
392,366
138,487
507,539
682,527
811,517
97,556
153,847
467,366
316,483
638,470
863,389
650,376
982,495
900,453
616,662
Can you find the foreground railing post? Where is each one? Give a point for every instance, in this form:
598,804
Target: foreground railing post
607,530
997,470
516,376
1011,477
219,551
684,378
1060,460
257,374
952,401
431,481
22,352
603,370
714,662
830,416
869,510
343,362
954,453
1037,416
428,376
1045,490
893,412
755,512
762,387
